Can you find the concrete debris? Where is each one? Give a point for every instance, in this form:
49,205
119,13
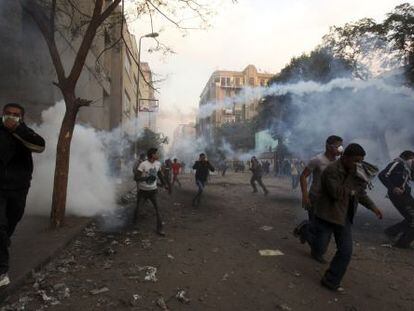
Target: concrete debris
98,291
127,241
284,307
150,273
266,228
48,299
225,277
161,303
270,252
109,251
181,296
387,245
135,300
171,257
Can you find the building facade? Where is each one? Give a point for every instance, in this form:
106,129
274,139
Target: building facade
226,85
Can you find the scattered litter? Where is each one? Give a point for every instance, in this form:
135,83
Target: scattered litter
266,228
146,244
372,248
284,307
215,250
98,291
225,277
177,204
270,252
48,299
150,273
181,296
161,303
291,285
107,265
297,274
135,300
387,245
109,251
127,241
171,257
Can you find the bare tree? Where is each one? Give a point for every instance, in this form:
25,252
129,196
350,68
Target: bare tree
87,25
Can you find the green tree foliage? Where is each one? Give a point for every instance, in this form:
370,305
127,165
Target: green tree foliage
149,139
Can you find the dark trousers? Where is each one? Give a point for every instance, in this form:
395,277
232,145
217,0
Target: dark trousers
405,206
175,179
143,195
12,204
257,179
295,181
200,184
319,243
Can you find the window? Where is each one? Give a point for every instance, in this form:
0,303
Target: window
262,82
251,81
228,82
223,81
217,80
237,81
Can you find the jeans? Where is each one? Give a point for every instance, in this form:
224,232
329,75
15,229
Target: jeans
152,196
200,184
259,181
12,205
405,206
343,239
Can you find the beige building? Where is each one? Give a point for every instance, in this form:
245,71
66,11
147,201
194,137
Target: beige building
148,104
226,84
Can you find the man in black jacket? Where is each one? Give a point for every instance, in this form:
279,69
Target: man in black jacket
17,142
396,177
202,168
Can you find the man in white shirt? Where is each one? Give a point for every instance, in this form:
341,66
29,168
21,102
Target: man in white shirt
315,167
146,178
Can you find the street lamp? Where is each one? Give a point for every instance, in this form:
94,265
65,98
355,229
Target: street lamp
149,35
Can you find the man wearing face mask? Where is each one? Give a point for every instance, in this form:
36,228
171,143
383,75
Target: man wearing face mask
315,168
342,189
397,177
17,142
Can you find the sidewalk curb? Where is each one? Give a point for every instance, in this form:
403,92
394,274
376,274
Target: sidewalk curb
20,281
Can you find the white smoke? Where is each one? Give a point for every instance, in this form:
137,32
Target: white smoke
91,187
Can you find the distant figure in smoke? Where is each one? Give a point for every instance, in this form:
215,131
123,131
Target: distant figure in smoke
146,178
203,169
294,174
257,173
397,177
314,169
17,142
166,171
176,168
342,189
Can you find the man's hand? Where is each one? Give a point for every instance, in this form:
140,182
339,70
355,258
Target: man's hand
378,213
11,124
398,191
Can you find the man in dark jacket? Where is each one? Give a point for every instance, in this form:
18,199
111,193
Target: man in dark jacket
17,142
341,191
397,177
202,168
257,174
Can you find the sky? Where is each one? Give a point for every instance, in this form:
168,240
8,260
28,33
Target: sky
265,33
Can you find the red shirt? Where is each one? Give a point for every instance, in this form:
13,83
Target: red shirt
176,168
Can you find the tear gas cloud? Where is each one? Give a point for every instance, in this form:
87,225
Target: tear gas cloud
376,112
92,185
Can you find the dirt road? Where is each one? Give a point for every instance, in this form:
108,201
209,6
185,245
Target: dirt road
211,257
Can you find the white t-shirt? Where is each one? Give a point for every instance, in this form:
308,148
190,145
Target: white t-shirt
149,169
317,165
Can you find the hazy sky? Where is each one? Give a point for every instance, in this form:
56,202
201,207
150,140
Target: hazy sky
266,33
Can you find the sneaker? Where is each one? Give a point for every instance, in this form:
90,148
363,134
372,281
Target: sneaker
4,280
319,258
330,286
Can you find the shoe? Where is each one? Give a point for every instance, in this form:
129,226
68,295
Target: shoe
319,258
4,280
297,232
330,286
161,232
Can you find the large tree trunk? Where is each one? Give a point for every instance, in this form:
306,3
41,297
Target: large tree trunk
62,162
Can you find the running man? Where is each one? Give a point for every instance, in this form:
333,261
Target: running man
176,167
257,171
203,169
